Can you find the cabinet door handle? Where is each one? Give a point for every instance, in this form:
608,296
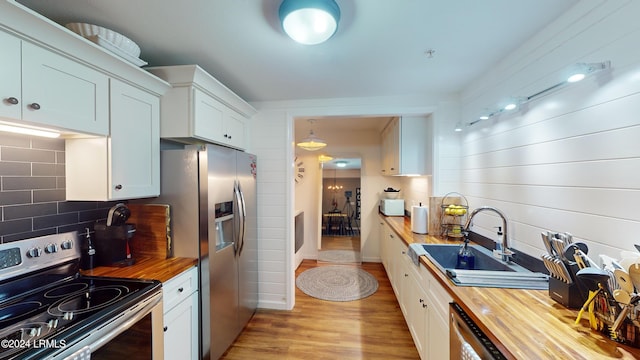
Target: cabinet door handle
12,101
421,300
35,106
165,328
424,306
180,289
119,187
226,135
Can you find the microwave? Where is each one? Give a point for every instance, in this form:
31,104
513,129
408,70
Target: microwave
392,207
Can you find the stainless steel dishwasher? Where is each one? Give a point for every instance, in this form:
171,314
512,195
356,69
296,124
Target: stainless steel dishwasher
467,341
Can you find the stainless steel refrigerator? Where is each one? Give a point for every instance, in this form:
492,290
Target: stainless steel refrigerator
212,194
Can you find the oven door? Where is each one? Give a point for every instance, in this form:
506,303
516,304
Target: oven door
136,333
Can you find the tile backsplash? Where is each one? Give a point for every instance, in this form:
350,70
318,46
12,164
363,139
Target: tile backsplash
32,191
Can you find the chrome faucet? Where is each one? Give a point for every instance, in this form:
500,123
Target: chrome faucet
505,252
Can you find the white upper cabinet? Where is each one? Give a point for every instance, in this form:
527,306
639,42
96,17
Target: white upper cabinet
125,165
60,92
44,88
407,146
11,84
107,108
208,117
201,109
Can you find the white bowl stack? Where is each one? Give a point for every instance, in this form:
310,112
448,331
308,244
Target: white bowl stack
99,34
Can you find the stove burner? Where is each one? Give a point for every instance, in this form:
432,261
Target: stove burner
87,301
17,310
65,290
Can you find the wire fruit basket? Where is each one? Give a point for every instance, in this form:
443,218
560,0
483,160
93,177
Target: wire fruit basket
454,210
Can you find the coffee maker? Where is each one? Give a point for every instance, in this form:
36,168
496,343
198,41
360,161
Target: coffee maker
113,236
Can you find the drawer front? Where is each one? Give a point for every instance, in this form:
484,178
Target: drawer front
179,288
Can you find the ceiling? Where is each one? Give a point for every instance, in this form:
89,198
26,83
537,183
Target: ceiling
379,49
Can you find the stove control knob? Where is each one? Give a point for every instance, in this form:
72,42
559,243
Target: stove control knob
35,331
34,252
51,248
52,324
66,245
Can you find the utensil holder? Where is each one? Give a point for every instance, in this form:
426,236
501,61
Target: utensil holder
606,311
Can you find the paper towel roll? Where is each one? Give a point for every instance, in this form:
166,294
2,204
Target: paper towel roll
419,219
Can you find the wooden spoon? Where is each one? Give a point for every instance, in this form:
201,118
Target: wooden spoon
623,298
624,280
634,274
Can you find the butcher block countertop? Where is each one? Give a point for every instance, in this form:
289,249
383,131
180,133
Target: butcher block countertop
524,324
146,268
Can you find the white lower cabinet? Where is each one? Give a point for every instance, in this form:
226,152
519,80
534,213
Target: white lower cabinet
180,306
415,301
423,301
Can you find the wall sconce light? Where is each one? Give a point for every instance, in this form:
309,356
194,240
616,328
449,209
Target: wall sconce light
582,70
312,142
577,73
309,22
512,105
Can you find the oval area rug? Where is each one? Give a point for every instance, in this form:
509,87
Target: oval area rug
339,256
337,283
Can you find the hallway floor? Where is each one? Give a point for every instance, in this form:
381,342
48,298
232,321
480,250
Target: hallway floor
371,328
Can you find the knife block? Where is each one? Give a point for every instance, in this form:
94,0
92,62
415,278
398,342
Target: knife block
568,295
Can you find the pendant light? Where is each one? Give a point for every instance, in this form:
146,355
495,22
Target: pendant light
309,22
312,142
334,187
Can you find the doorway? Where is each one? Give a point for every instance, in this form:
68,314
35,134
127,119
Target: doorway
341,211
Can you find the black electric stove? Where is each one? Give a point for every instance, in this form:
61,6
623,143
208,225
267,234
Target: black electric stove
49,310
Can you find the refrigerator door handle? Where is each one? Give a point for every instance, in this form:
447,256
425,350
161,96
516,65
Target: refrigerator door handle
243,220
239,220
243,217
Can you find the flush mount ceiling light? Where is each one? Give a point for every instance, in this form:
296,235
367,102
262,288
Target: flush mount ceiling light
312,142
309,22
341,163
577,73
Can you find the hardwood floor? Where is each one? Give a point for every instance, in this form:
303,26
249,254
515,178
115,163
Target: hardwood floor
340,243
371,328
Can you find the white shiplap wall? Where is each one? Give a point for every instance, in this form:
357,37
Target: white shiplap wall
568,161
272,142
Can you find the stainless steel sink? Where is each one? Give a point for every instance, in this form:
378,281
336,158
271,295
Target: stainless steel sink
488,271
